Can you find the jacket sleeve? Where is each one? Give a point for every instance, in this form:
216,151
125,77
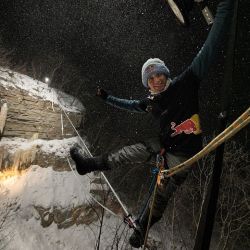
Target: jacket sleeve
209,51
125,104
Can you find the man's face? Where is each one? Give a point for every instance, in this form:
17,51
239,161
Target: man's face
157,82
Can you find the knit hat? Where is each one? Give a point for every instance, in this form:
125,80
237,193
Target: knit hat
153,66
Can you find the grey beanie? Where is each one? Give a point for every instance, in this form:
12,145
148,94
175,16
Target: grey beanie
153,66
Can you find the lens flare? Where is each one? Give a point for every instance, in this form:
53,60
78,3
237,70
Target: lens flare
10,173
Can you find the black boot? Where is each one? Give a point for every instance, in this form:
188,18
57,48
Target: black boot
136,240
86,165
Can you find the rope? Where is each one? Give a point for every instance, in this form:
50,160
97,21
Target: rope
160,163
235,127
155,172
76,131
90,194
150,214
108,210
62,129
103,175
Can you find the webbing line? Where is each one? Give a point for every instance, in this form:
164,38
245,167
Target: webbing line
62,129
90,194
155,172
103,175
104,207
235,127
150,214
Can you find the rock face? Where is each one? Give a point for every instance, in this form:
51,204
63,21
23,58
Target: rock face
28,115
78,215
32,111
19,154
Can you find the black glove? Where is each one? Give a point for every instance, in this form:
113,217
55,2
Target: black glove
102,93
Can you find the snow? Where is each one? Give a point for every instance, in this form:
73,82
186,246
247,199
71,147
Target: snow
38,89
47,188
59,148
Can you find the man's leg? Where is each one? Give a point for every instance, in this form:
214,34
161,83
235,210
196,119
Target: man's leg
169,185
139,152
163,195
85,164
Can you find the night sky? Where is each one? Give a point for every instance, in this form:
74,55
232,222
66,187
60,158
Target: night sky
106,42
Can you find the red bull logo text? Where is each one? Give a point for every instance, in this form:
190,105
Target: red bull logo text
189,126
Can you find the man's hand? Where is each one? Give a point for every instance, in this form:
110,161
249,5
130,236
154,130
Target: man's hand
101,93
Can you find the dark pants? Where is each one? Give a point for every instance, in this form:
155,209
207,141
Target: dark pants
141,152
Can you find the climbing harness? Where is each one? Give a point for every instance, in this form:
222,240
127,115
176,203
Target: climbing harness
160,164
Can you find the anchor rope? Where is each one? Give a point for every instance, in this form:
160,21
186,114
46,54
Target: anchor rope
103,175
242,121
235,127
89,154
62,131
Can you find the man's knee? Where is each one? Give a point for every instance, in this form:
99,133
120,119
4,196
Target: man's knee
129,154
153,145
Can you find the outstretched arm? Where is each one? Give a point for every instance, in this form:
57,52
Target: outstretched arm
209,51
125,104
129,105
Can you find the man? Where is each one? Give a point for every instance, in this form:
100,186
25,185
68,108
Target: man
174,107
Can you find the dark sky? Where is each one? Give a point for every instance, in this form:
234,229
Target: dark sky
108,38
108,41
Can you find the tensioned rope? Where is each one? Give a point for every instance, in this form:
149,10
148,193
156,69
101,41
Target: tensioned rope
103,175
104,207
62,131
77,178
235,127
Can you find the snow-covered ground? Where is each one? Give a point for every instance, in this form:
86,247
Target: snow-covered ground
46,188
21,193
56,147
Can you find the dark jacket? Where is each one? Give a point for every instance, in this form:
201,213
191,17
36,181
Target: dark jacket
176,110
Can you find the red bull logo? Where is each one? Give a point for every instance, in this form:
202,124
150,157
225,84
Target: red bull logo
150,68
189,126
